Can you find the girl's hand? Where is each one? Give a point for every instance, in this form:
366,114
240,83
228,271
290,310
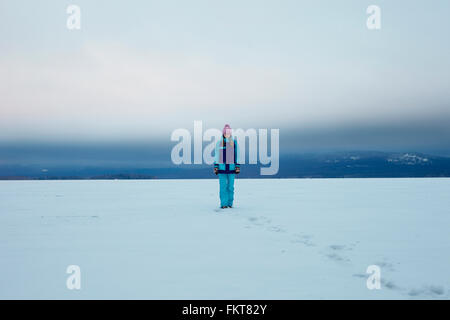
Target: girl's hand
216,170
238,170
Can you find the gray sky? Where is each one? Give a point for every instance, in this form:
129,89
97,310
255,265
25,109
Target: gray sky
137,70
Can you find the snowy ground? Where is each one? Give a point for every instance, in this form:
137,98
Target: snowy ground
285,239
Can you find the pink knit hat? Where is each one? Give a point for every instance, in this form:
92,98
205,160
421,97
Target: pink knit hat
226,128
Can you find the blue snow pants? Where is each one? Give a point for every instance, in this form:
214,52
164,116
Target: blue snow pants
226,182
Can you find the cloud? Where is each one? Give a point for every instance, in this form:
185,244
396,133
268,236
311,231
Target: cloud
112,84
106,91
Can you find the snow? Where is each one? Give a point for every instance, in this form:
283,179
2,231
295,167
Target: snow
166,239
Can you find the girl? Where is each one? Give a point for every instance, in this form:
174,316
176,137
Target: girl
226,165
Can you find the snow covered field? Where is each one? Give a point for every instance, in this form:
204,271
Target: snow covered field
285,239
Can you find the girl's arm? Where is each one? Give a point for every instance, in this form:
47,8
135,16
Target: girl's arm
216,155
237,154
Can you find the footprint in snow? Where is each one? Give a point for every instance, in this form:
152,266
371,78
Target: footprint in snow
433,291
335,252
389,284
304,239
259,221
336,257
337,247
386,265
384,283
276,229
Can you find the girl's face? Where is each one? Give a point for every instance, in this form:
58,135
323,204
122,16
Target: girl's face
227,133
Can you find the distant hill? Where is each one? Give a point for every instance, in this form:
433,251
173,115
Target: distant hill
365,164
357,164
